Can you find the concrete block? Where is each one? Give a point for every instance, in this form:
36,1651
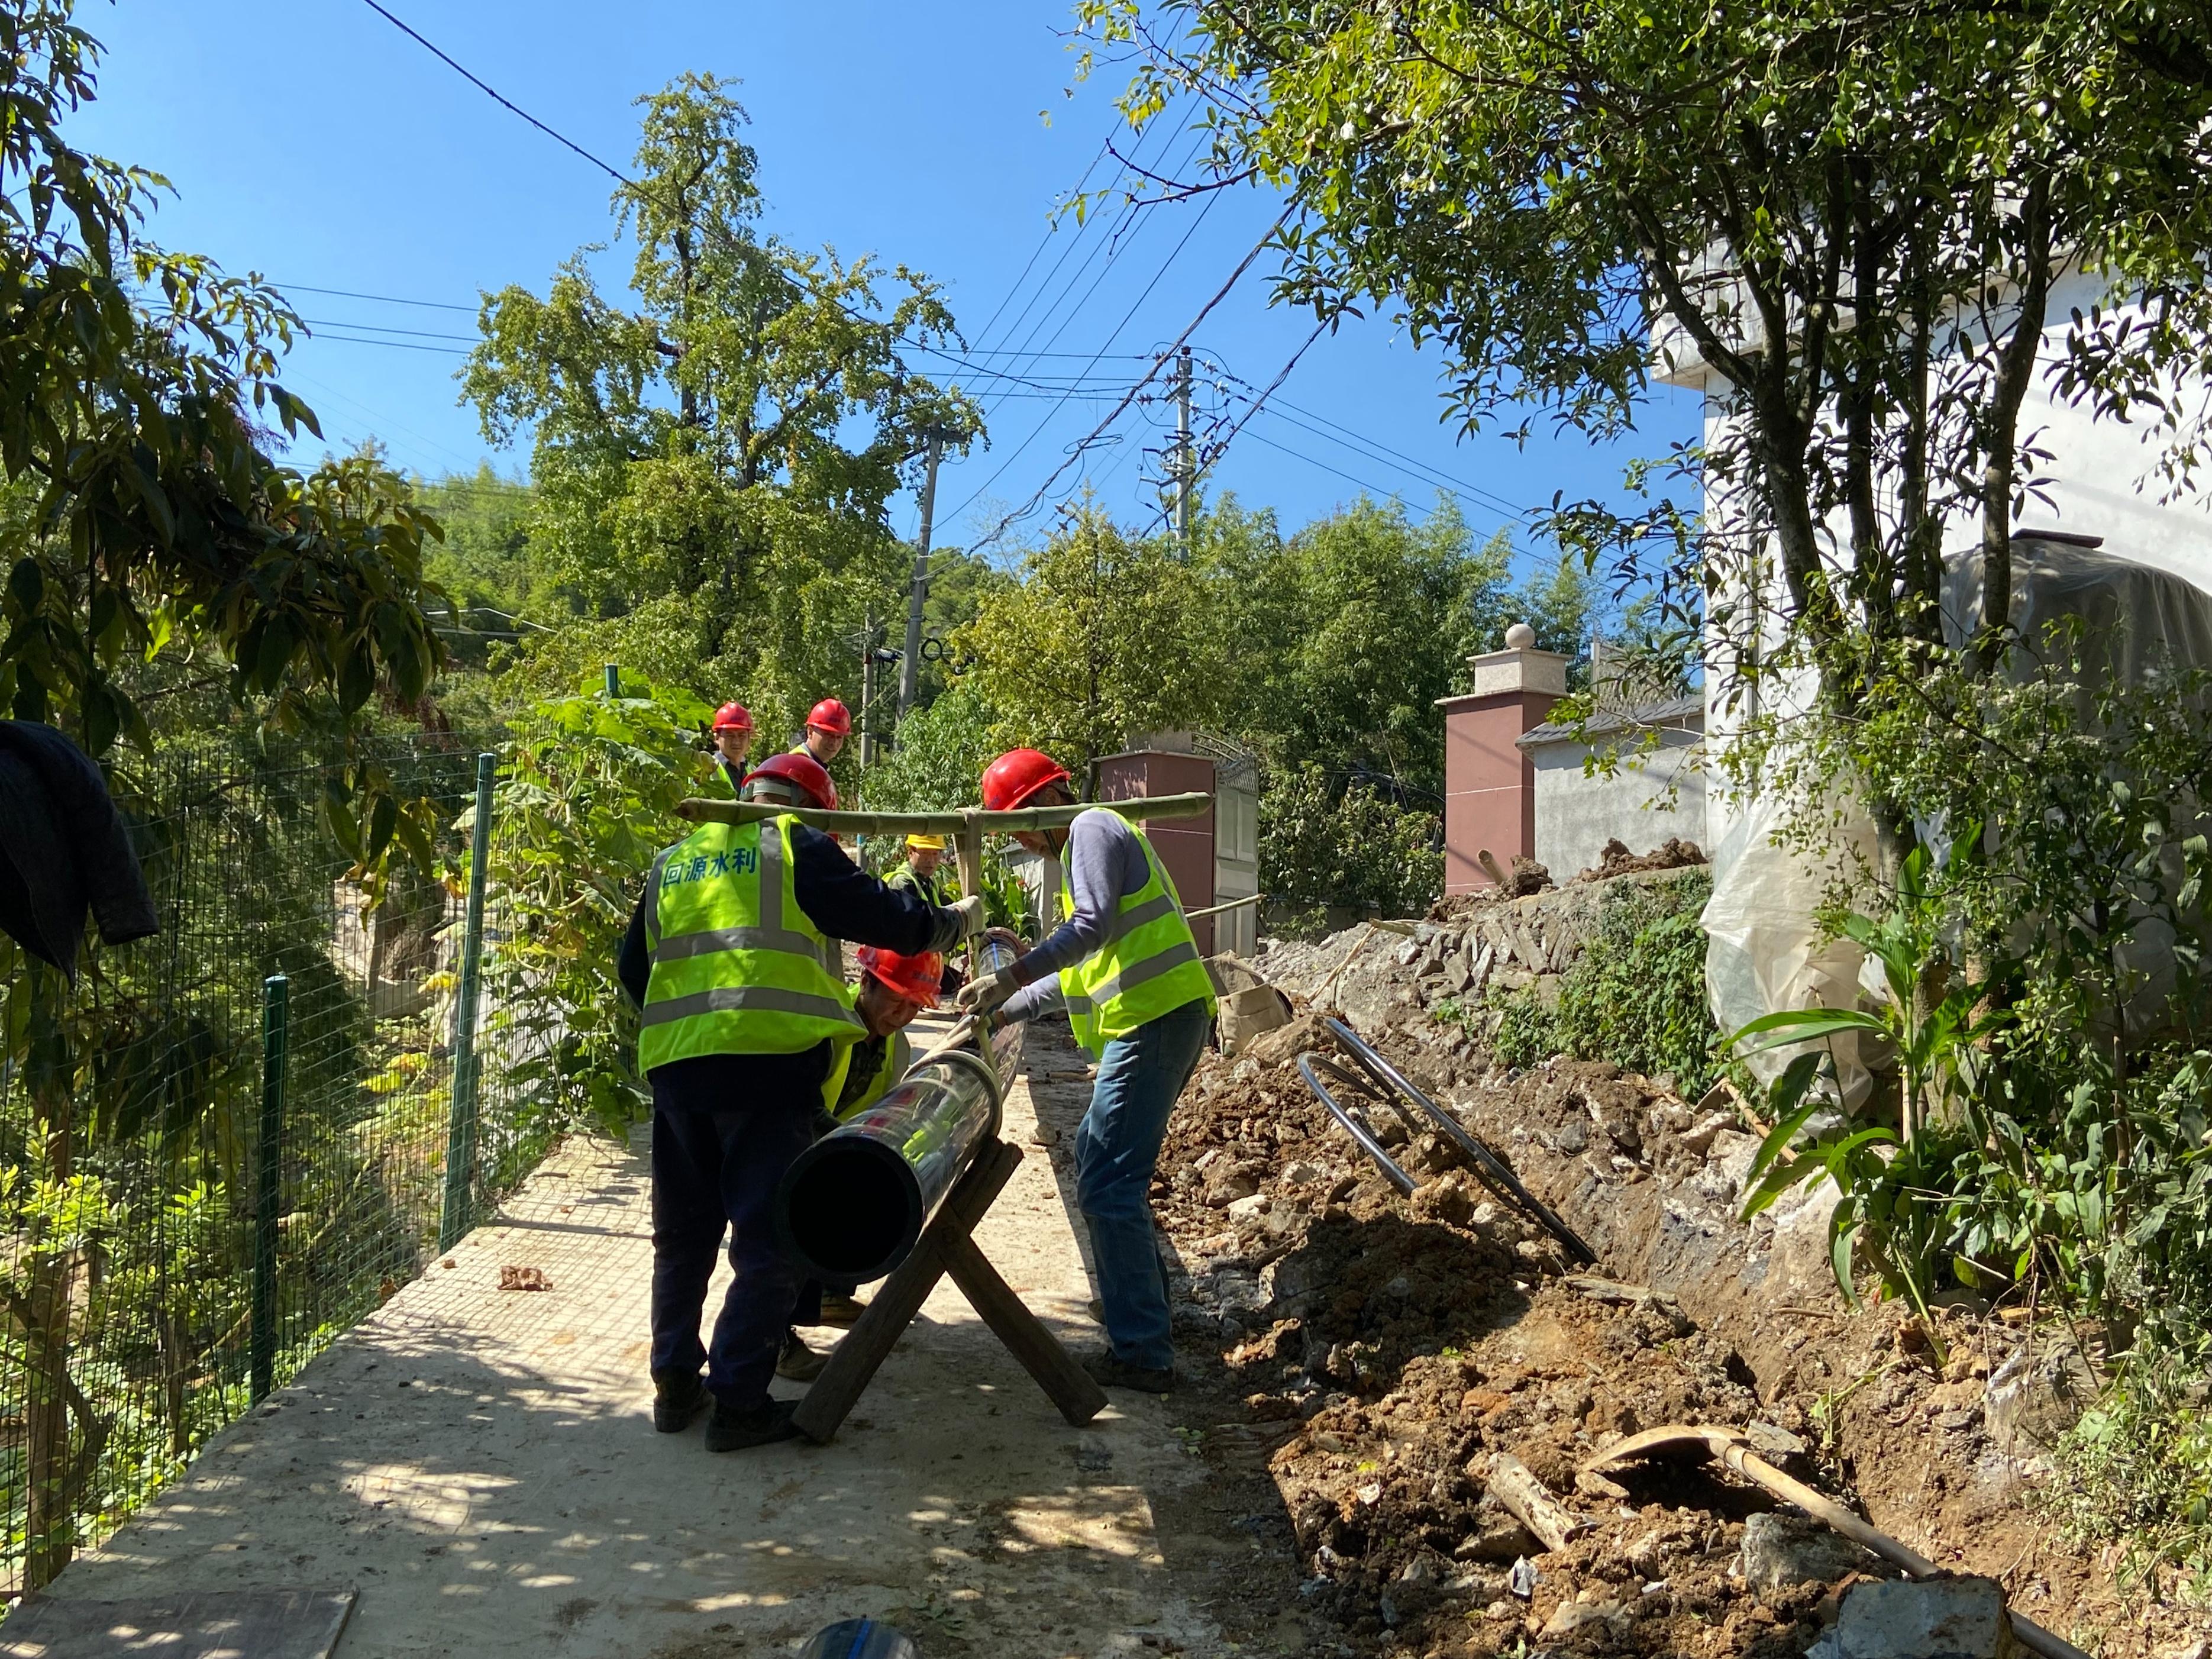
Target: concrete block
1781,1552
1931,1619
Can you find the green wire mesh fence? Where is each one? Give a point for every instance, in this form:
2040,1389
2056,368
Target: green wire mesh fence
233,1141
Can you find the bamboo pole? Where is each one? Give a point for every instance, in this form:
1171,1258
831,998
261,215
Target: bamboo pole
1730,1446
1194,805
1222,909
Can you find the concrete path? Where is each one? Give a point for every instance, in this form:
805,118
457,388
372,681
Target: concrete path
481,1465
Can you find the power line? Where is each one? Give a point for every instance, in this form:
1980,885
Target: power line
379,328
1082,231
607,167
1044,241
1349,478
1383,452
1039,430
396,345
381,299
1220,447
507,103
1116,247
1076,454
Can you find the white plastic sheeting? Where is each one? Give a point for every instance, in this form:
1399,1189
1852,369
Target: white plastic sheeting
1764,950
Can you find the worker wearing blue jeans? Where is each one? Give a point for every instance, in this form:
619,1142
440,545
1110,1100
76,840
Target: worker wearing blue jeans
1117,1143
1126,967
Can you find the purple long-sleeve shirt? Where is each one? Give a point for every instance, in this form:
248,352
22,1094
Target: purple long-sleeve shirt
1105,864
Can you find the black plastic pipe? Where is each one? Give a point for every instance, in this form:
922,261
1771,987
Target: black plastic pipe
1490,1169
1351,1125
853,1205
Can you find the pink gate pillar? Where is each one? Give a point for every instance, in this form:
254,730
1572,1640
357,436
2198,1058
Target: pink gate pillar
1490,786
1185,845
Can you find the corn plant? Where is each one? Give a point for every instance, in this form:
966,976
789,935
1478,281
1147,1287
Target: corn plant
1896,1209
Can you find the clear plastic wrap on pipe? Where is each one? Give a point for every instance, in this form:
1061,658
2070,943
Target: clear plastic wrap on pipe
854,1203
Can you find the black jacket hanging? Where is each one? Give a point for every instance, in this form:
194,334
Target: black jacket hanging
63,849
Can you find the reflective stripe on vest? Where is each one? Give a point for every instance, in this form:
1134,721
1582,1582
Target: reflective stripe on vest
1149,965
737,968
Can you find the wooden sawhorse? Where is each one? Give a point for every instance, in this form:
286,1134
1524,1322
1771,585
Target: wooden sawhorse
945,1247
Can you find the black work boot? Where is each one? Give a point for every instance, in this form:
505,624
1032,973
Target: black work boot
1108,1372
675,1401
737,1431
840,1310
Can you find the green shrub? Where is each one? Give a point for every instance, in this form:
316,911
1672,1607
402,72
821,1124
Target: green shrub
2137,1472
1635,996
1324,844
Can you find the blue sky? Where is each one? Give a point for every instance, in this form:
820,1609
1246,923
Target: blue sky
313,141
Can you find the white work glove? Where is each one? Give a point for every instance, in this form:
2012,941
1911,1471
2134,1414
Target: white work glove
985,993
971,912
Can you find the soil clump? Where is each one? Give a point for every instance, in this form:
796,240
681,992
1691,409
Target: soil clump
1673,854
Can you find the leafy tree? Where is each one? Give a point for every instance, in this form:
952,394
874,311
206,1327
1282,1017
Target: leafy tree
1347,634
146,530
723,451
1851,216
589,798
496,593
938,764
1106,636
141,511
1324,844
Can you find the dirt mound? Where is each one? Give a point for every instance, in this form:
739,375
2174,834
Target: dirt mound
1523,878
1393,1345
1673,854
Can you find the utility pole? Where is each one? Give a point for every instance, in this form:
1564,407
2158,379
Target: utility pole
867,686
918,587
1186,458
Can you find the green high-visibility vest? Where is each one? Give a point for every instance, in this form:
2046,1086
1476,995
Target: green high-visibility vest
896,1058
737,968
934,890
1150,965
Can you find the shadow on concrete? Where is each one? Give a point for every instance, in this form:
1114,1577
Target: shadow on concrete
481,1465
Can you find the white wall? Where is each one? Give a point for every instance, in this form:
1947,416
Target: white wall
1646,801
2100,480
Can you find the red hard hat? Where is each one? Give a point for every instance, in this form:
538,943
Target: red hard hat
829,716
732,714
1011,780
914,979
803,773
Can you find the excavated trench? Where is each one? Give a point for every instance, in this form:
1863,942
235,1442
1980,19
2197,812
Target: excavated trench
1375,1352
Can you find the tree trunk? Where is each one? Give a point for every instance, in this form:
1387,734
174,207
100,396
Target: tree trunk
2001,434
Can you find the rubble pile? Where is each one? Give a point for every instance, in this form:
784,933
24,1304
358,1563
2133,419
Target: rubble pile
1471,945
1673,854
1397,1354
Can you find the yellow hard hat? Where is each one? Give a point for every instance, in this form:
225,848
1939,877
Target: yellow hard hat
927,843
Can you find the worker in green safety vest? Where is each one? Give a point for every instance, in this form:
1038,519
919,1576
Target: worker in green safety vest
1127,968
918,871
733,743
732,958
922,872
893,990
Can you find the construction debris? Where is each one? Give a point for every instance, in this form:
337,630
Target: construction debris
1434,1372
1511,1485
1947,1619
1616,860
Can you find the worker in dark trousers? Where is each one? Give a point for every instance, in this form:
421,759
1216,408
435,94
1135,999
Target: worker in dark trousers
730,956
